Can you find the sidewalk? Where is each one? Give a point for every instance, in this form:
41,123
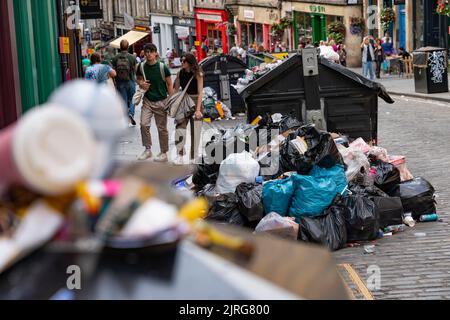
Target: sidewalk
403,86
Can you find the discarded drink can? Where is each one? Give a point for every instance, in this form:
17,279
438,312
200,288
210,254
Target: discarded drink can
395,228
429,217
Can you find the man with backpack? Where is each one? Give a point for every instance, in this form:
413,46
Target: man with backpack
154,77
125,65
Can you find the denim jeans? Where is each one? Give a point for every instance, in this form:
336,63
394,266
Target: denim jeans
127,90
368,68
378,70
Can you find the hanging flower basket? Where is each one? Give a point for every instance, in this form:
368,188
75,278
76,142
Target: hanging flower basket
357,25
279,28
387,16
337,37
336,31
336,27
443,7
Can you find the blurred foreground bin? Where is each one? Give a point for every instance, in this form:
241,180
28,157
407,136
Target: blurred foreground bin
315,90
430,70
220,73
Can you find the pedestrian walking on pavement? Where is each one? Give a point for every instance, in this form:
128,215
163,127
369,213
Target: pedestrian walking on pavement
368,57
125,65
379,57
190,75
342,52
99,72
158,86
86,62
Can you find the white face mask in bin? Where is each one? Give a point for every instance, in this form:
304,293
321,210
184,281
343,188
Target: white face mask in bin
103,109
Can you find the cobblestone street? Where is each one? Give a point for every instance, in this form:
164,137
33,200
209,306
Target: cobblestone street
413,267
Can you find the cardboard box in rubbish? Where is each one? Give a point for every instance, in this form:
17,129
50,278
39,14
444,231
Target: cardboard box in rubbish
307,270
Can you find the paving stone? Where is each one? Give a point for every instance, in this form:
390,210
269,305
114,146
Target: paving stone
418,130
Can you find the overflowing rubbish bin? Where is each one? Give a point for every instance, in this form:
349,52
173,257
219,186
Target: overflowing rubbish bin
314,90
221,72
430,70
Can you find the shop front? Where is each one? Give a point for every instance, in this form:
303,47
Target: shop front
254,26
310,21
162,32
211,31
184,34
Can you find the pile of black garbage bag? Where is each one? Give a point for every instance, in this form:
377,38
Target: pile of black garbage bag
307,188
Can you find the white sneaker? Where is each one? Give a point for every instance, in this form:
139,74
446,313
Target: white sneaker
178,160
162,157
145,155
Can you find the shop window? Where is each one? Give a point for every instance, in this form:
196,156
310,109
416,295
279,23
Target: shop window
214,36
331,19
304,27
259,35
244,34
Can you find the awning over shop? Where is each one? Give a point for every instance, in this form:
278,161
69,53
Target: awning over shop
132,37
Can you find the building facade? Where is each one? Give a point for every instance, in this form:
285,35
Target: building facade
184,25
416,25
254,19
310,19
30,56
212,20
161,19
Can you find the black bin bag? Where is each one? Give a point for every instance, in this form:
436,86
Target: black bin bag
387,178
390,210
249,201
417,197
327,229
225,210
205,174
322,151
362,219
367,191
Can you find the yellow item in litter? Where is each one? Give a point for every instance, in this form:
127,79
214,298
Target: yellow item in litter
194,210
206,236
91,202
256,121
214,236
207,120
220,109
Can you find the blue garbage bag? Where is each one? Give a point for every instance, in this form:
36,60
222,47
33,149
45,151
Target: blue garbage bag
277,195
312,195
335,173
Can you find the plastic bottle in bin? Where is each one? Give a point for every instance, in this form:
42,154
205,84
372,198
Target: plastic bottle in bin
429,217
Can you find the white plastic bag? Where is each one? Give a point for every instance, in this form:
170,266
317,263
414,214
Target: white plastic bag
275,224
361,145
355,160
236,169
